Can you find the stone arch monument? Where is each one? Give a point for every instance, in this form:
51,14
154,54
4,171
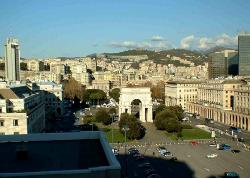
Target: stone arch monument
127,95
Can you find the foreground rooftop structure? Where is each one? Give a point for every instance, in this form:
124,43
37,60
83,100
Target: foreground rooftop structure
78,154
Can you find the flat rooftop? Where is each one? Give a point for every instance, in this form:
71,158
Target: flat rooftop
53,152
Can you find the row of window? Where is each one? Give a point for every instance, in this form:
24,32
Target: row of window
191,90
15,122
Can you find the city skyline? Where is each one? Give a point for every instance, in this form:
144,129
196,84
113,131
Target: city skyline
75,28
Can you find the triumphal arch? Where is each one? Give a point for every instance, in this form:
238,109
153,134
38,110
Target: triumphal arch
143,94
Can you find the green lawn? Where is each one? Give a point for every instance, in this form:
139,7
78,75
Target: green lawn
195,133
118,136
189,134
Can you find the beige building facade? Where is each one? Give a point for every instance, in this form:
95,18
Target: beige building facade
21,111
181,92
225,101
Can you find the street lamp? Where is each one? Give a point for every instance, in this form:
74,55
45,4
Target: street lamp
125,129
92,126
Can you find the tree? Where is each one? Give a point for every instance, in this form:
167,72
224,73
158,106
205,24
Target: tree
73,89
158,91
177,110
103,116
115,94
167,120
136,130
94,95
160,108
112,110
23,66
2,66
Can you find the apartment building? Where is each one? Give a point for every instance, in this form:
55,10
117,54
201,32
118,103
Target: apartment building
53,95
90,63
34,65
57,69
80,74
181,92
242,99
225,101
21,110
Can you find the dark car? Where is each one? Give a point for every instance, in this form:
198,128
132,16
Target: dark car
241,140
235,151
140,158
133,151
231,174
173,159
149,172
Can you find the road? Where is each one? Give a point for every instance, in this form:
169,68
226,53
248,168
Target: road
192,161
222,127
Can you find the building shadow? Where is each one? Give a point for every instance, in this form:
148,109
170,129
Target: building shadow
166,168
222,176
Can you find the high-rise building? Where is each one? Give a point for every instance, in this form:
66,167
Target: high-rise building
12,60
244,54
223,63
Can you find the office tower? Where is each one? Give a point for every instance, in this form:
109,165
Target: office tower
223,63
244,54
12,60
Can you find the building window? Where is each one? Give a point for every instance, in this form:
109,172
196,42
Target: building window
15,122
1,123
16,133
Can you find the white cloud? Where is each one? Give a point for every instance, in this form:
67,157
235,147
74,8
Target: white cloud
159,45
157,38
192,42
124,44
187,42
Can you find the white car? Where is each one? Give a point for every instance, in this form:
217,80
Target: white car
212,144
115,151
185,119
213,155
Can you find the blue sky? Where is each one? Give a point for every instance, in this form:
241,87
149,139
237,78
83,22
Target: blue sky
50,28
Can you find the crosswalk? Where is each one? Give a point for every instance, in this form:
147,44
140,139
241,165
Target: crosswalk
196,142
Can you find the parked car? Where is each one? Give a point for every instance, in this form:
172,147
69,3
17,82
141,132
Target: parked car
136,155
241,139
235,151
115,151
213,155
140,158
235,129
154,176
132,151
212,144
161,148
166,154
224,147
173,159
144,165
149,172
231,174
209,120
185,119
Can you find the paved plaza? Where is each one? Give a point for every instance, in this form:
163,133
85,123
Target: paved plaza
192,161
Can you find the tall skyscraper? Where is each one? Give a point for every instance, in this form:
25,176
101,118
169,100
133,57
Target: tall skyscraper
223,64
244,54
12,60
